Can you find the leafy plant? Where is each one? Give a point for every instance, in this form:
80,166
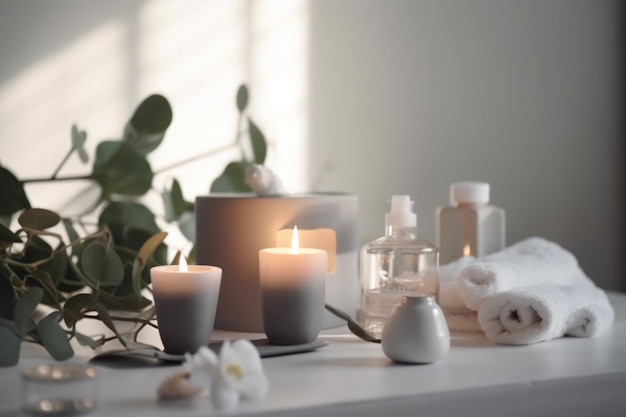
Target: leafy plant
84,271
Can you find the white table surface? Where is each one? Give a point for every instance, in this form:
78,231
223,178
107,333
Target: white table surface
349,377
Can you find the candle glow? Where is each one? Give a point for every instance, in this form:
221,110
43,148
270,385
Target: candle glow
295,241
182,264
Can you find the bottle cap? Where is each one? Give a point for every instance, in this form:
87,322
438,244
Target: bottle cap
472,192
401,214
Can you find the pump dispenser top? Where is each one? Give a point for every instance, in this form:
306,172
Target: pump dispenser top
401,214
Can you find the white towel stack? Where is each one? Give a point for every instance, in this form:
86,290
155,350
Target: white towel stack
530,292
459,317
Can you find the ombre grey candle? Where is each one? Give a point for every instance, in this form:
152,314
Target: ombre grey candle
292,293
185,298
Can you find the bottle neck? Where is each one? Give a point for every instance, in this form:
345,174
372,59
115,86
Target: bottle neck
466,204
405,232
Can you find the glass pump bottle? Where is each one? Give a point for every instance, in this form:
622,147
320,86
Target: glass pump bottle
396,265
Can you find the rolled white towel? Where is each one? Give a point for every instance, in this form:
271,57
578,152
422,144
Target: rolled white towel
531,262
535,314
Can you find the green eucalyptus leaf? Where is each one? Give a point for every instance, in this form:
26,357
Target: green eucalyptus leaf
57,266
8,324
9,347
36,249
73,280
24,309
41,278
120,169
6,235
187,225
101,264
72,236
129,302
242,98
149,248
74,307
54,338
174,201
6,219
259,145
143,143
120,216
85,340
144,255
7,297
232,179
12,193
153,115
38,219
105,317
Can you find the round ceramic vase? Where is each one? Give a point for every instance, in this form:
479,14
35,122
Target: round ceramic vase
416,331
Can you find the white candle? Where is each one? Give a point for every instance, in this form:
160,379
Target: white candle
185,298
292,292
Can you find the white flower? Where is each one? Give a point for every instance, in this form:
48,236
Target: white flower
263,181
236,374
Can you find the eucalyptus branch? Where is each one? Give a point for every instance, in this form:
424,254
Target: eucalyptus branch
49,179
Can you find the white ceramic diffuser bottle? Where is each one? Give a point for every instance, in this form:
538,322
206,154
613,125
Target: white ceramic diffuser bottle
395,265
470,225
416,332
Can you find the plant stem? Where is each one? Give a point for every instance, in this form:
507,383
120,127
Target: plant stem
145,322
71,178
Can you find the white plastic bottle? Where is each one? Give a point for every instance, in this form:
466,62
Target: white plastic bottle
470,225
396,265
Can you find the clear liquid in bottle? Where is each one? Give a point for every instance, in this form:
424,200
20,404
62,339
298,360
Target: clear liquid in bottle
396,265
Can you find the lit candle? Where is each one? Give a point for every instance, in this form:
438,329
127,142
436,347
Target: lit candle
292,292
185,297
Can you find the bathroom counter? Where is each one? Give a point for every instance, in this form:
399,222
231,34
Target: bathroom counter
349,377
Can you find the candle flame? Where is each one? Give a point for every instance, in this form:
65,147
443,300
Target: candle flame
295,241
466,250
182,264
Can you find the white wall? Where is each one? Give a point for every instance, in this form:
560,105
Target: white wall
400,96
408,96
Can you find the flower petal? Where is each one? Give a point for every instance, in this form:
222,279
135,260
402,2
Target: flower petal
202,367
247,354
254,386
224,398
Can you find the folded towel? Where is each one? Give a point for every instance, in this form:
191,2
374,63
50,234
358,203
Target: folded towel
531,262
535,314
463,322
458,316
449,296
